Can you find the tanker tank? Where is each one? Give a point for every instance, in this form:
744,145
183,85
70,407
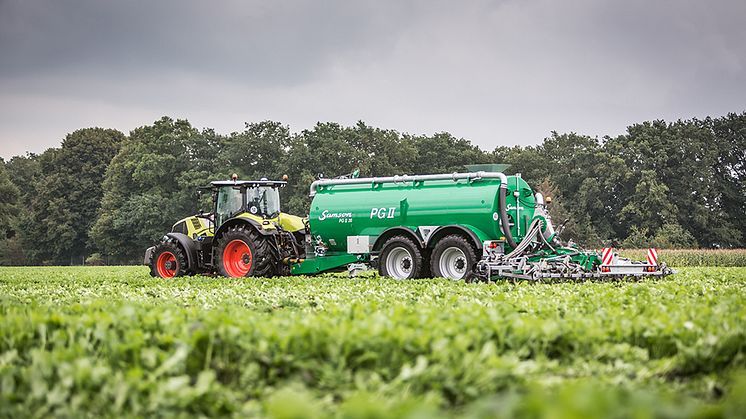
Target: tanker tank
425,204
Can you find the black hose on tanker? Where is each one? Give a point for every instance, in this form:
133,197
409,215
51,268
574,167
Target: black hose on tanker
505,224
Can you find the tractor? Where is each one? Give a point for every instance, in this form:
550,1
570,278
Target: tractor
246,234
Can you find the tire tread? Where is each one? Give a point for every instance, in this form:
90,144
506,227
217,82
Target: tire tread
414,249
264,259
170,245
452,240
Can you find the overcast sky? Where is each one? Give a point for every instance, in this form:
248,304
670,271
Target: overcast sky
494,72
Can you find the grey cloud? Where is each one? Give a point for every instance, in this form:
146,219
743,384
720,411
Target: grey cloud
496,72
254,42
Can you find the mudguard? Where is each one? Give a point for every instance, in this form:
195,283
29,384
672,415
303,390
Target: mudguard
396,231
190,248
441,231
238,220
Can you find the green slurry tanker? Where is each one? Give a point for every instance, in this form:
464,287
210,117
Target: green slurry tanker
463,226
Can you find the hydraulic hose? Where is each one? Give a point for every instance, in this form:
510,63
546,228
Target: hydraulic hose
533,230
505,224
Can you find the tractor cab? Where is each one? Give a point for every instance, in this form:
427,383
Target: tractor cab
259,198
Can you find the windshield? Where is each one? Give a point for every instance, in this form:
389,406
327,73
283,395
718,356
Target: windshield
263,200
229,201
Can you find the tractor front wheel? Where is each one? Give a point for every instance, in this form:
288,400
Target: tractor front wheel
168,260
243,252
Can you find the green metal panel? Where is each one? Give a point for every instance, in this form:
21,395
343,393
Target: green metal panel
589,260
338,211
322,263
521,204
481,235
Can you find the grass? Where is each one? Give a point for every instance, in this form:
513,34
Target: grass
113,341
692,257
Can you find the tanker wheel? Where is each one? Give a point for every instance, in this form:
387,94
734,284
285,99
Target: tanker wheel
241,251
454,258
168,260
400,258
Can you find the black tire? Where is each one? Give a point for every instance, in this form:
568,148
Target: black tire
409,256
463,262
263,261
168,260
425,271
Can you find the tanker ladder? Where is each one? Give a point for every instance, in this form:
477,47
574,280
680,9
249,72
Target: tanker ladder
534,259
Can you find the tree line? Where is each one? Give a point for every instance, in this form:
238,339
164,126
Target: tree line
104,196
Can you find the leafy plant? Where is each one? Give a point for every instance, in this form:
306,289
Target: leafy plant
113,341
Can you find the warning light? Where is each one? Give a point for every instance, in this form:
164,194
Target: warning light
492,245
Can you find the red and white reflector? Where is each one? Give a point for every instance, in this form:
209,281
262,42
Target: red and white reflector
607,255
652,257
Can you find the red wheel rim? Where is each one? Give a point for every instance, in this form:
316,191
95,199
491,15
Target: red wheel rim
237,258
166,265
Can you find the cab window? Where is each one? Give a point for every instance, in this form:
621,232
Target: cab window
230,201
263,200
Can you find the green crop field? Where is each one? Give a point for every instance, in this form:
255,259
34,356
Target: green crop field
111,341
693,257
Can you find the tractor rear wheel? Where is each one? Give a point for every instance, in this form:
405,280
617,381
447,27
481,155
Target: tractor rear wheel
400,258
168,260
454,258
241,251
